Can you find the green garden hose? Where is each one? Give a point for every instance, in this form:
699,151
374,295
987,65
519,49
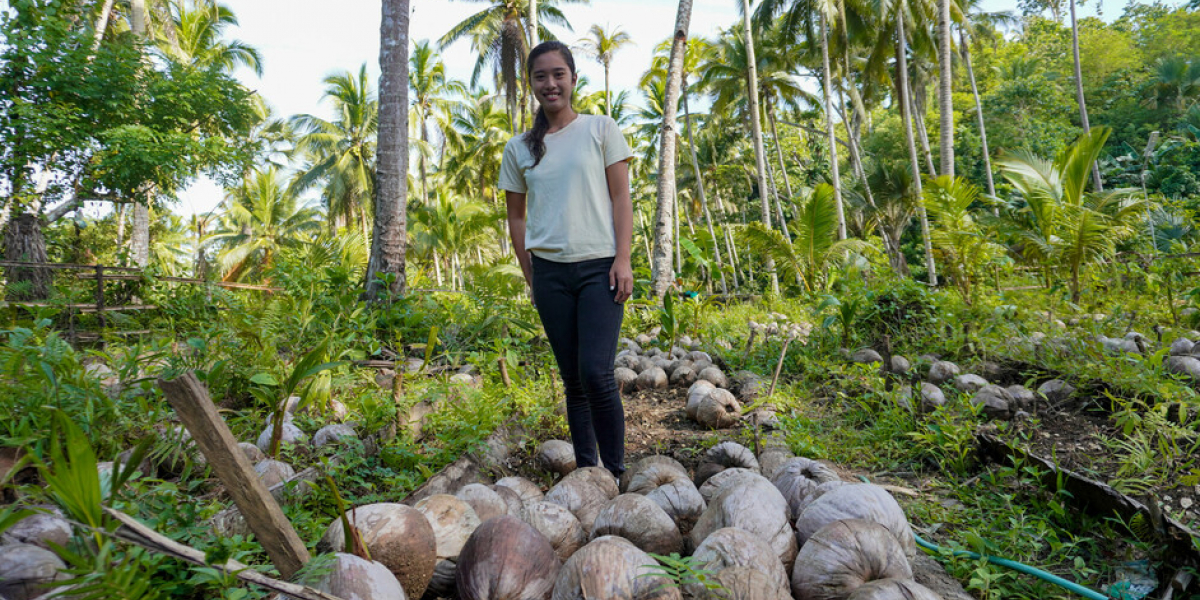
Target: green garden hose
1070,586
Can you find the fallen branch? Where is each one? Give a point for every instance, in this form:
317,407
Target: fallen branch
138,534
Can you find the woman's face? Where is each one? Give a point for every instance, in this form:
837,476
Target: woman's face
553,81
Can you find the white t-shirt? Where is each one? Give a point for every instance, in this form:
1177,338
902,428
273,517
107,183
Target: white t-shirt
568,211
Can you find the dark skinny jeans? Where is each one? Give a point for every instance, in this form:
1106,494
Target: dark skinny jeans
583,323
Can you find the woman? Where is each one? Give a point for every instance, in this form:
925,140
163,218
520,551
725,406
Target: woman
570,217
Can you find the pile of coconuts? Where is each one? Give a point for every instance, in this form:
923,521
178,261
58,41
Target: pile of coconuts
767,527
715,399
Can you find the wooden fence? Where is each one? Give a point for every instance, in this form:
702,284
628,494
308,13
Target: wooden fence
100,274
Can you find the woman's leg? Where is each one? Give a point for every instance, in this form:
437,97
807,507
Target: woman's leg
599,328
554,292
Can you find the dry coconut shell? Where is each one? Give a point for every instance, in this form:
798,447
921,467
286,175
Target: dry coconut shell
556,456
453,523
526,489
681,501
754,506
732,547
273,472
651,472
599,477
771,459
27,571
744,583
714,375
40,529
725,455
558,525
511,500
641,521
486,503
654,378
718,410
893,589
349,576
857,501
610,567
581,497
728,477
844,555
506,559
683,375
798,480
697,392
626,379
398,536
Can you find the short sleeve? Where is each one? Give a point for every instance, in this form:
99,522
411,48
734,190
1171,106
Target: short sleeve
512,177
616,149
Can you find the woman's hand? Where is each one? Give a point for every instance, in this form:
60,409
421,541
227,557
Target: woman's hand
620,279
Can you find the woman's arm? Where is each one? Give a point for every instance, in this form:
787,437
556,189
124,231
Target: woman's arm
515,203
620,277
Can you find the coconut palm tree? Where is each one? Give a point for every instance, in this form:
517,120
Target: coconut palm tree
196,38
449,228
340,154
964,245
1175,83
975,24
430,89
475,138
262,217
389,236
1063,225
602,43
1083,114
945,89
498,36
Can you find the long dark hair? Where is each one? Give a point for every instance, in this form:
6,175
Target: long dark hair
535,140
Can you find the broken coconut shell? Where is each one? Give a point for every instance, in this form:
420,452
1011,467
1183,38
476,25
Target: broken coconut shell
611,567
755,506
556,456
506,559
557,525
857,501
651,472
732,547
723,456
641,521
397,535
843,556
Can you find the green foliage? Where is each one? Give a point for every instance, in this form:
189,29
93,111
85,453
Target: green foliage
682,571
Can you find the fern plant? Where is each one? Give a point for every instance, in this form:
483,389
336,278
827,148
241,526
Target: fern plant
682,571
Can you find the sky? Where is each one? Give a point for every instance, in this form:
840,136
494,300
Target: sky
303,41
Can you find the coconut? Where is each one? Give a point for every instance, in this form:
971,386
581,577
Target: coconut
274,472
732,547
512,501
333,434
681,501
506,559
748,386
663,362
27,571
723,479
654,378
725,455
611,567
1182,347
556,456
696,355
755,506
771,459
599,477
651,472
696,393
700,365
900,365
995,401
583,498
743,583
866,356
969,382
397,535
678,351
1056,390
628,361
558,526
942,371
893,589
645,363
348,576
486,503
291,435
641,521
1022,396
1188,366
453,523
527,490
682,376
718,409
626,379
931,397
844,555
857,501
40,529
714,376
798,479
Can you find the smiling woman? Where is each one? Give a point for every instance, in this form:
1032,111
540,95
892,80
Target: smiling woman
570,216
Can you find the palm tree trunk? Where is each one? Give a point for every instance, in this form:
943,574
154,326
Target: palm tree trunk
645,231
607,94
139,240
687,121
660,261
391,183
787,182
424,170
102,24
826,91
1083,114
756,133
918,111
119,214
945,89
987,159
906,116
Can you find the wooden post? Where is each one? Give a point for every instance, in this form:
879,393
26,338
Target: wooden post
191,402
100,296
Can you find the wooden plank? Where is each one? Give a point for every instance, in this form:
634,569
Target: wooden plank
134,532
84,308
195,408
224,284
18,263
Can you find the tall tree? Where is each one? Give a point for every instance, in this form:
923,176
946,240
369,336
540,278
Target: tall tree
196,37
906,115
139,238
430,87
661,271
945,89
1083,114
760,158
601,43
391,173
262,218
